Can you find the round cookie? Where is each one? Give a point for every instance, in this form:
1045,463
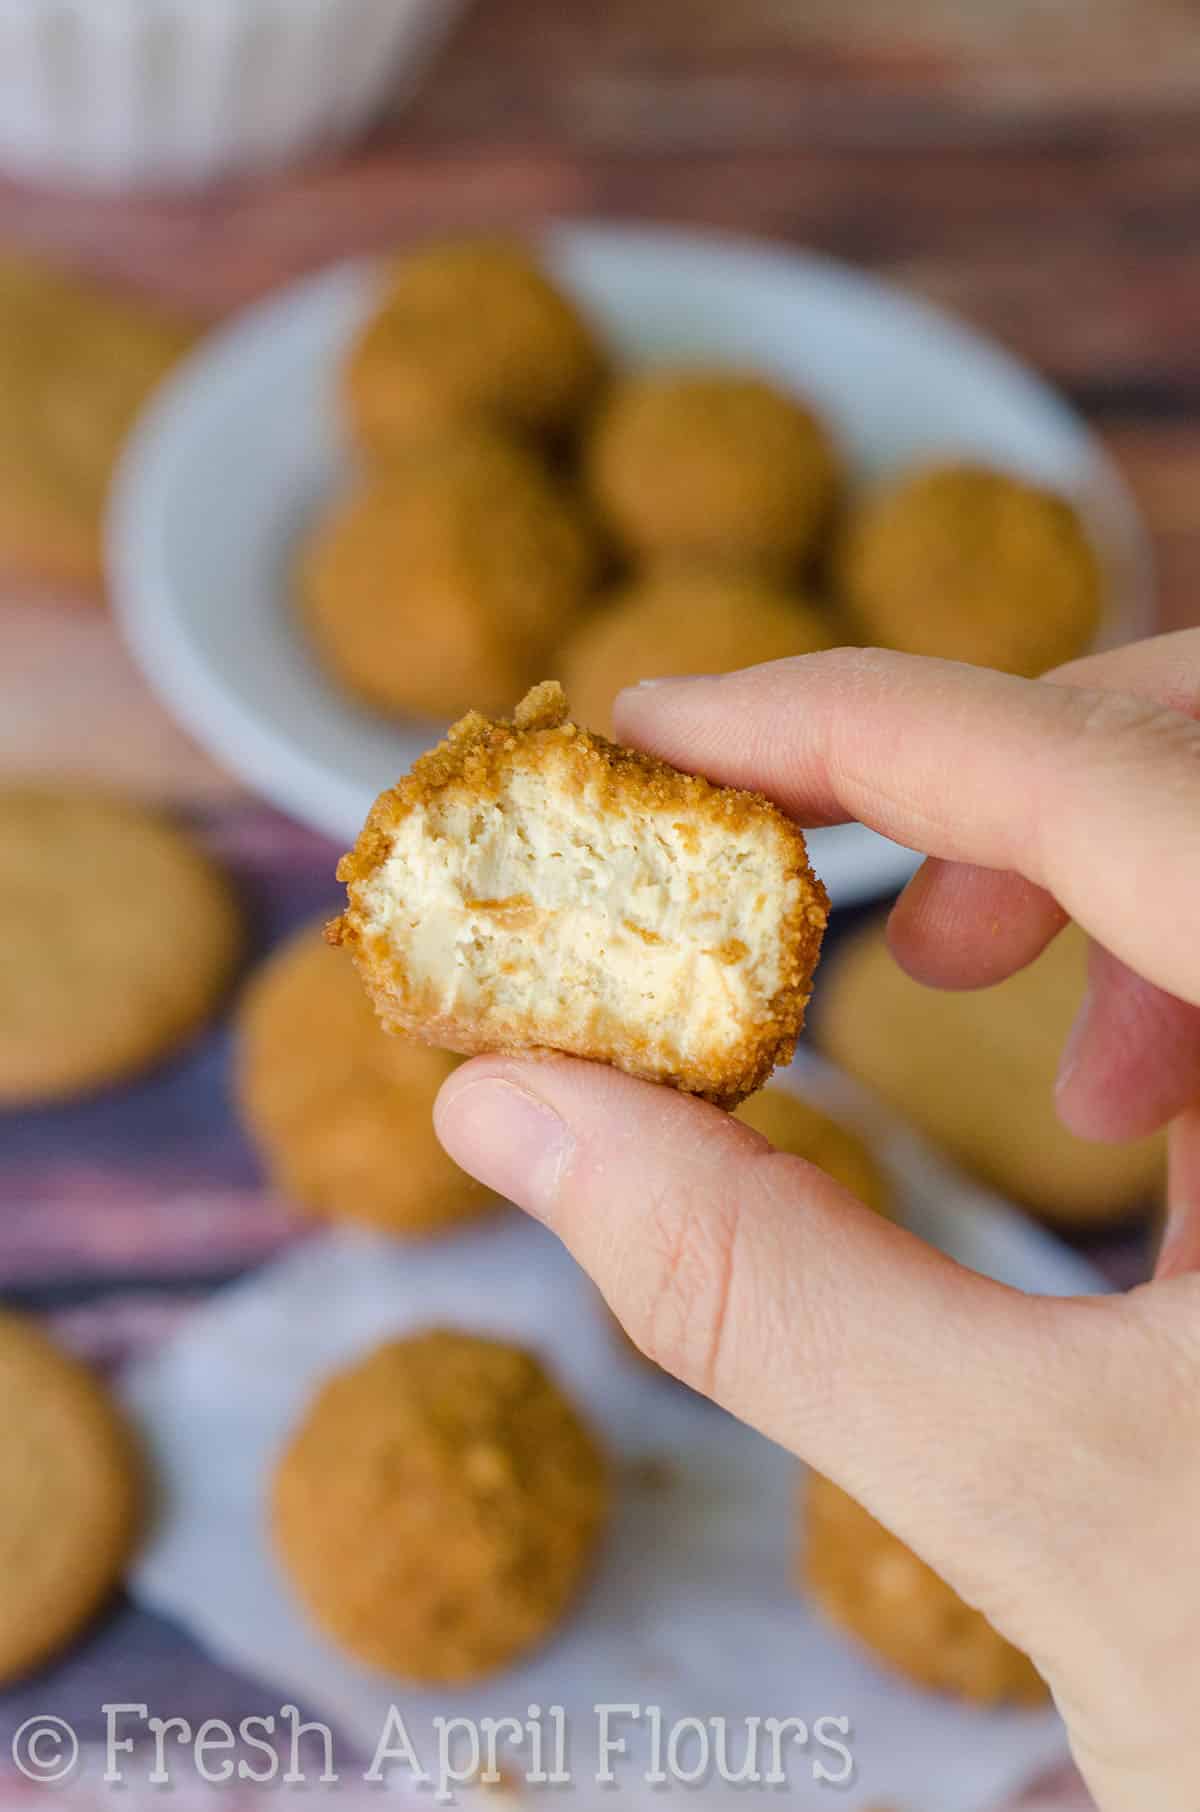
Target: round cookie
877,1590
973,565
714,466
682,619
468,332
441,583
69,1497
76,366
341,1110
796,1126
117,937
439,1506
974,1071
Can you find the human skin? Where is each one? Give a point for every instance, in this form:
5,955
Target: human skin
1042,1454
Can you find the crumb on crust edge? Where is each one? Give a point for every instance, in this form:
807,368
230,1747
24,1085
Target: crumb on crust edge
472,752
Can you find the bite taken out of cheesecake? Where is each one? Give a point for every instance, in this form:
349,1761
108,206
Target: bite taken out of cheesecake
531,885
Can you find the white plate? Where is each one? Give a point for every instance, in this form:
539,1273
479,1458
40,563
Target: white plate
232,458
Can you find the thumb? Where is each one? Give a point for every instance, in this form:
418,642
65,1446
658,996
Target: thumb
920,1387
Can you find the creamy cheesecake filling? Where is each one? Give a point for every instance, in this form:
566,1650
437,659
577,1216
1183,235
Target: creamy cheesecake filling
557,903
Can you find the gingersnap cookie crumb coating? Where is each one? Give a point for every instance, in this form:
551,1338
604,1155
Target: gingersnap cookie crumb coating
712,465
469,331
439,1506
530,884
445,576
973,565
343,1113
69,1497
877,1590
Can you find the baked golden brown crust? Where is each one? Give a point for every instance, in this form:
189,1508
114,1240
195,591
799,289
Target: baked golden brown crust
70,1497
712,465
973,565
117,938
975,1070
794,1125
439,1506
469,332
76,365
876,1589
445,577
683,618
663,820
343,1114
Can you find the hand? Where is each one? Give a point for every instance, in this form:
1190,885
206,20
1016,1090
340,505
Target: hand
1043,1455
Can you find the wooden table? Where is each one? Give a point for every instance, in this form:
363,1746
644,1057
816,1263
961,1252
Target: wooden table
1034,166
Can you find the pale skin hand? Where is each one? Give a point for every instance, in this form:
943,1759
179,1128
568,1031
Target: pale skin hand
1044,1456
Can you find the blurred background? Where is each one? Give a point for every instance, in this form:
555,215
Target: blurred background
1032,166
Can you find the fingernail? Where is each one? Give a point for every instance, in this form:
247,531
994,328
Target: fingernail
1068,1063
508,1138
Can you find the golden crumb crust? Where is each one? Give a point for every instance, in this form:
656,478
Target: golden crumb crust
341,1113
974,1071
118,936
877,1590
971,564
681,617
475,757
464,332
445,577
712,465
439,1506
70,1497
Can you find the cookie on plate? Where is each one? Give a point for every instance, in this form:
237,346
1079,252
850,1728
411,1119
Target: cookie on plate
530,885
445,578
343,1113
117,938
974,1071
439,1506
720,466
683,618
877,1590
77,363
467,332
973,565
70,1496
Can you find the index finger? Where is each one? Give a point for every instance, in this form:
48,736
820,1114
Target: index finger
1092,795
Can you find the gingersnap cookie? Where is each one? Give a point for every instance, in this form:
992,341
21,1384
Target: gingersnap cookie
77,363
708,465
342,1113
444,579
69,1497
974,1071
529,885
973,565
117,937
794,1125
683,618
868,1583
439,1506
465,333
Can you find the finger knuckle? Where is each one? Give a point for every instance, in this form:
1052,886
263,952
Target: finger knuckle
690,1252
